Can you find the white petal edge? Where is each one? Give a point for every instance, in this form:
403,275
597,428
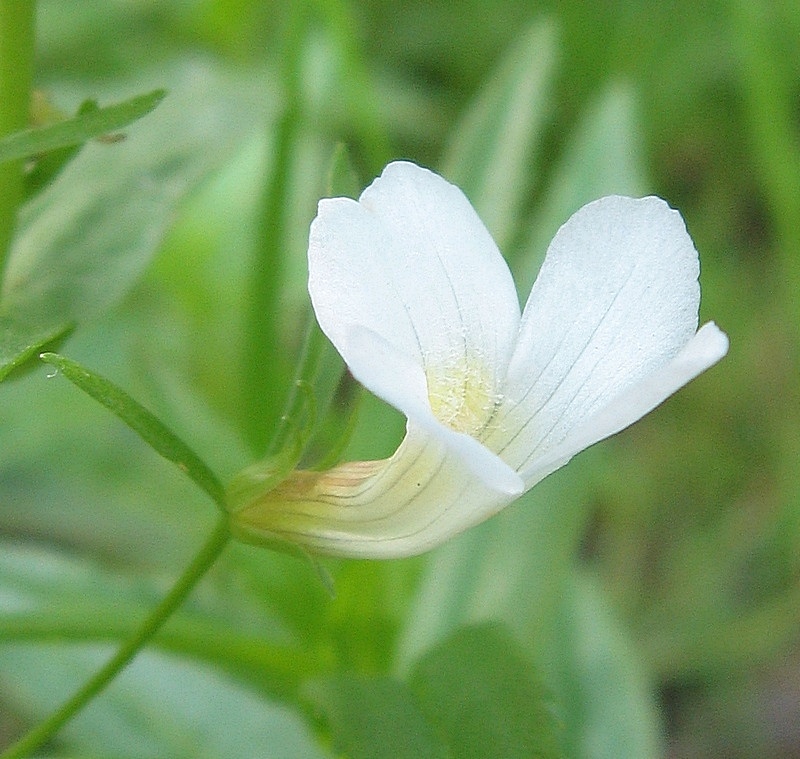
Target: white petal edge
707,347
412,261
401,383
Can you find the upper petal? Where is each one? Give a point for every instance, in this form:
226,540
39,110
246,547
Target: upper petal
616,299
412,262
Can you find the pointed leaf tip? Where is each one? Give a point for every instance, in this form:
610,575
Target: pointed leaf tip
151,429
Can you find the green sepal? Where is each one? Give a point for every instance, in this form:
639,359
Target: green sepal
338,390
257,480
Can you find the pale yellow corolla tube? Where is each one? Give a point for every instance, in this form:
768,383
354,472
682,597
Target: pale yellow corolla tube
409,286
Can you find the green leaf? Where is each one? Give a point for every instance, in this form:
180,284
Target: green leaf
374,718
484,696
490,152
475,695
604,156
90,122
141,421
514,569
83,240
21,342
504,570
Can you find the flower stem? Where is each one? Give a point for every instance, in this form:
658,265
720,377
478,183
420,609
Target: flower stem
45,730
17,21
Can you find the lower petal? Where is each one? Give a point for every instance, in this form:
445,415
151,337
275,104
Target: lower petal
707,347
400,506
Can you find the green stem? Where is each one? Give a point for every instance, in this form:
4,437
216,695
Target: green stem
17,21
263,380
44,731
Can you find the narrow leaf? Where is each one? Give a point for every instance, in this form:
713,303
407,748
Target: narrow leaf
491,150
141,421
89,123
485,698
604,156
84,239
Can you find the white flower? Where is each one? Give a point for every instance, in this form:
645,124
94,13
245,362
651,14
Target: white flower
409,286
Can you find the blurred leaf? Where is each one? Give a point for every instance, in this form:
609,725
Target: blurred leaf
90,122
160,706
49,596
139,419
353,85
83,240
619,716
490,152
21,342
375,718
603,157
512,568
473,696
518,569
484,696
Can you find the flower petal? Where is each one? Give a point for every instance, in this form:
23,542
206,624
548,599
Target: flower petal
707,347
412,262
400,506
616,299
